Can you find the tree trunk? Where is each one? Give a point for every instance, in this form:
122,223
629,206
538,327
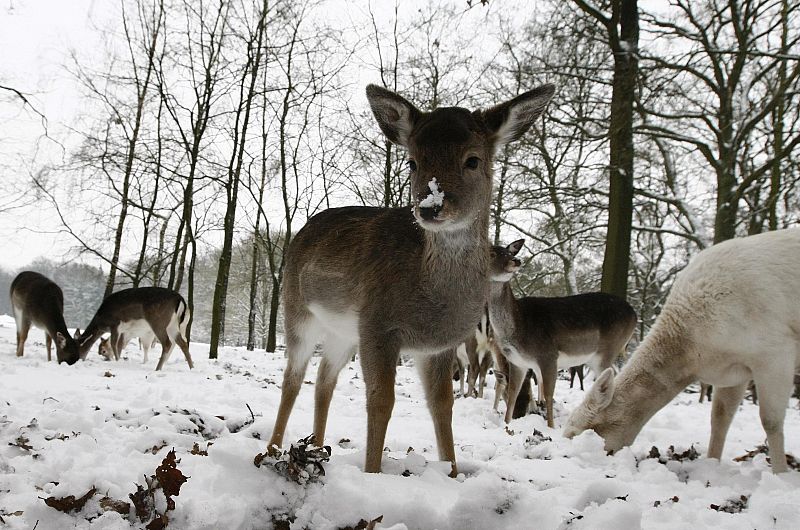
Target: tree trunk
620,202
235,169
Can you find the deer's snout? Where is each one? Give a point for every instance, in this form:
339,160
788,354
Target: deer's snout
430,213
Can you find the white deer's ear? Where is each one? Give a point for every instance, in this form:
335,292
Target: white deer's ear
515,247
510,120
602,391
61,341
394,114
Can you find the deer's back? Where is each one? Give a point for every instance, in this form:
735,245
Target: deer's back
372,262
574,325
140,303
38,297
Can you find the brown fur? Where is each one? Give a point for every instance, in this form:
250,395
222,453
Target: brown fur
543,333
392,280
164,311
37,300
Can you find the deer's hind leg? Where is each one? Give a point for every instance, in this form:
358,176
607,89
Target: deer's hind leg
337,351
300,343
23,327
774,388
435,372
723,407
48,342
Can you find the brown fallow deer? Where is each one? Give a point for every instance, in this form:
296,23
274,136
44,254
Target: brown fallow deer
731,317
549,334
141,312
410,280
37,300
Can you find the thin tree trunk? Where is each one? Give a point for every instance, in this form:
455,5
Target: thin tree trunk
132,144
235,169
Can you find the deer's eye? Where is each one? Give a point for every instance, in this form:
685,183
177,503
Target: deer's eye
412,165
472,162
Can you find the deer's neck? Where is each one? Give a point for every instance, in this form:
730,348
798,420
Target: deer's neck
503,309
658,371
458,255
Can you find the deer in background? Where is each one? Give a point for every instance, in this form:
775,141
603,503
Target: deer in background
731,317
141,312
146,342
548,334
37,300
479,355
400,280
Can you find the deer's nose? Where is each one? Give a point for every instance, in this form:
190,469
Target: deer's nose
429,213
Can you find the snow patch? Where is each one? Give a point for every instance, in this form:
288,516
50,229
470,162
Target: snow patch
435,198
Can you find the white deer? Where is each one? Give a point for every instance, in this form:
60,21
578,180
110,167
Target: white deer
731,316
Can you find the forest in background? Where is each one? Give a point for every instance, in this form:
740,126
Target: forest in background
212,130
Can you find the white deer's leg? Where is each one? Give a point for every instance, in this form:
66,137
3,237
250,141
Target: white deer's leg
774,390
726,402
435,370
299,348
336,355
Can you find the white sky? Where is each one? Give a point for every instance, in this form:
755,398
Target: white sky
36,37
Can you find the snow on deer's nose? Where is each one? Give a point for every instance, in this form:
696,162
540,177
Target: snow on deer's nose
431,205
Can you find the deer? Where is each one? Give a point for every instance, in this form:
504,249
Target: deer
400,281
146,342
502,368
548,334
730,317
37,300
141,312
479,355
573,371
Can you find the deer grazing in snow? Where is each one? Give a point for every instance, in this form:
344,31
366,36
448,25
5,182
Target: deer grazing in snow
548,334
146,342
37,300
731,316
143,312
405,280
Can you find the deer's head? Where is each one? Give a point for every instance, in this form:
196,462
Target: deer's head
504,261
66,349
104,349
451,151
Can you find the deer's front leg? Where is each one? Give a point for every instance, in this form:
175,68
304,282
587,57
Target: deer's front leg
435,372
379,365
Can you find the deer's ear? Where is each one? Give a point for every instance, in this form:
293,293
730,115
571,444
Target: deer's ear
510,120
602,391
515,247
394,114
61,341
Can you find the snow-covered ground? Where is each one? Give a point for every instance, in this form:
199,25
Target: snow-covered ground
98,424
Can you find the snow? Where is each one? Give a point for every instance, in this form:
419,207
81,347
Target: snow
87,429
435,197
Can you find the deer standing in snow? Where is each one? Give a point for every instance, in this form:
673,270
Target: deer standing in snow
548,334
731,316
37,300
141,312
405,280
